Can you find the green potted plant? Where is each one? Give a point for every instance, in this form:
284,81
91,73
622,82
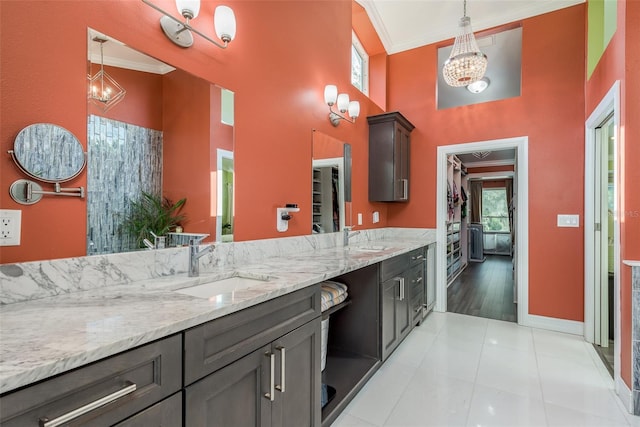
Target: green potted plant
152,213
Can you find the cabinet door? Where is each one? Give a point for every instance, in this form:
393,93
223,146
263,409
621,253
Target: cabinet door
401,164
234,395
403,310
297,378
390,289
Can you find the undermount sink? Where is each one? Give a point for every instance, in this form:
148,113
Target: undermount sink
369,248
223,286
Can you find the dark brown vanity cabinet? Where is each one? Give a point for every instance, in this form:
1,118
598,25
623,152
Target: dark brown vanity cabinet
106,393
402,297
257,367
389,141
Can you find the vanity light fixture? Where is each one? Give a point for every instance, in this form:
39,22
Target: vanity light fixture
332,97
224,23
466,63
104,91
479,86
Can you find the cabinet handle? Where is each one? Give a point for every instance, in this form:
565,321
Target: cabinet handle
272,393
418,280
282,368
405,189
71,415
415,258
401,293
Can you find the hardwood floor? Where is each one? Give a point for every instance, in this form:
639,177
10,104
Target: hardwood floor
484,289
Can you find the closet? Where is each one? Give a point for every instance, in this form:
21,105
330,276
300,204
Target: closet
457,217
326,200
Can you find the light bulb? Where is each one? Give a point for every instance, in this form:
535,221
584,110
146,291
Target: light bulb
330,94
188,8
354,109
343,102
224,22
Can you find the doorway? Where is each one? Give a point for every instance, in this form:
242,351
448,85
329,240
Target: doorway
520,249
486,286
602,232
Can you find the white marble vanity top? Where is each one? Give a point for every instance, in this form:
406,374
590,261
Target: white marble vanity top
43,337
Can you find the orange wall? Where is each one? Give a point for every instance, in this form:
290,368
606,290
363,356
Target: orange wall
620,61
486,169
550,111
279,99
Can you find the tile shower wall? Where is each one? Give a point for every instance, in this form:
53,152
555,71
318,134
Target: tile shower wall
123,161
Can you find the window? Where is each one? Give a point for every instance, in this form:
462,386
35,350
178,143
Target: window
359,65
495,213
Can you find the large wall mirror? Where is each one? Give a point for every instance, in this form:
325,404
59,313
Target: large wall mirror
331,184
168,142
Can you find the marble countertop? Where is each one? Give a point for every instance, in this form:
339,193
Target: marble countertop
48,336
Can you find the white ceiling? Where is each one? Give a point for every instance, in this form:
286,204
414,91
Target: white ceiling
407,24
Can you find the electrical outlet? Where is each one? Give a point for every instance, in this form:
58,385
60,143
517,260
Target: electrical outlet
376,217
10,227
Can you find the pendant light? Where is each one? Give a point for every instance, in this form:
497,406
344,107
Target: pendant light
466,64
104,91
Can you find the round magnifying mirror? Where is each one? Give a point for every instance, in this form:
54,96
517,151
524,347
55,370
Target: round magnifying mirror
48,153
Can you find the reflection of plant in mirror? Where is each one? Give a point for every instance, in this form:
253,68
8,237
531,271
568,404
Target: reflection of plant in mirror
153,214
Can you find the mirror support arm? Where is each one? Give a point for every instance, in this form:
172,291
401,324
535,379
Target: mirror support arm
28,192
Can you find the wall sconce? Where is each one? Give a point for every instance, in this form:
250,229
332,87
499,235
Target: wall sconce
331,97
224,23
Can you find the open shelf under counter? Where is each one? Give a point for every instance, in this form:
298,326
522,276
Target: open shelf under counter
347,373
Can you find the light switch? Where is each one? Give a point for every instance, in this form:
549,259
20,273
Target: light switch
568,220
359,219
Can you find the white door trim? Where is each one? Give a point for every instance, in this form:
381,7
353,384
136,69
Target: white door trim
610,102
522,212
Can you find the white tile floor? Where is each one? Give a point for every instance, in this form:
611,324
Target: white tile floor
457,370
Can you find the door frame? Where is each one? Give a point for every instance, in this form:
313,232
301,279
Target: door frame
609,103
520,144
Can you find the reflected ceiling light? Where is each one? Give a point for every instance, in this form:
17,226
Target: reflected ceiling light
479,86
481,154
104,91
332,97
224,23
466,64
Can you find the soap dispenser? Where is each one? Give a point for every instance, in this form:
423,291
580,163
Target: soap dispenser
283,215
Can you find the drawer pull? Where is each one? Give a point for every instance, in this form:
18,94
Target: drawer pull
71,415
272,392
416,258
283,364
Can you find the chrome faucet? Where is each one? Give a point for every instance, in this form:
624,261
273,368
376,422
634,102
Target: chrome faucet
348,234
195,255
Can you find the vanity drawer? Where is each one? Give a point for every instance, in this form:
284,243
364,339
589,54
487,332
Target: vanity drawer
155,369
219,342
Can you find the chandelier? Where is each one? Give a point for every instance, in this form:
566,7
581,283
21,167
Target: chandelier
104,91
466,64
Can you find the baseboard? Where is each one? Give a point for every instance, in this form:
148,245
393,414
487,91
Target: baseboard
552,324
625,394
